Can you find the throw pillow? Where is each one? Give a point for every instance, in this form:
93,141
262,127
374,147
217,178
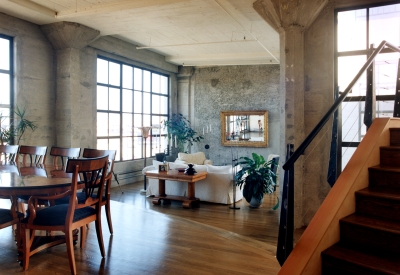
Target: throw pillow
173,165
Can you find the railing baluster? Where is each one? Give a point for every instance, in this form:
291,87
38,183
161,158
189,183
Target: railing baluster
286,221
396,109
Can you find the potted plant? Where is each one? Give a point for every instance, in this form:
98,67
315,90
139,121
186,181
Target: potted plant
16,129
179,128
256,178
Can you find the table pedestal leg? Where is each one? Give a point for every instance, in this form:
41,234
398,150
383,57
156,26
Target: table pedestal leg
161,192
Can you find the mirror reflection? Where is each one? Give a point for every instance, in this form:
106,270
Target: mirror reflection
245,128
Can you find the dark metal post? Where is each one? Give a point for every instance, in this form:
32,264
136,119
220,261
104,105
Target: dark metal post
286,222
396,109
370,99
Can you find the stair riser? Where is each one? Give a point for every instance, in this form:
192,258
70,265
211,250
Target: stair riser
379,207
390,156
394,137
358,236
384,179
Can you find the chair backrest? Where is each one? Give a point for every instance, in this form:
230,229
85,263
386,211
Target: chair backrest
92,172
94,153
37,154
63,154
9,152
33,170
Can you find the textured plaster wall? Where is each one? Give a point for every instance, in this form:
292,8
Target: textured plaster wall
34,77
224,88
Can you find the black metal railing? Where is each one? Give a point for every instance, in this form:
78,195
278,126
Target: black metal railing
286,226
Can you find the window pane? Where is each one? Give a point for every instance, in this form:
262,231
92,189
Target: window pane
114,125
127,148
348,67
137,152
384,108
352,30
115,74
384,24
114,144
102,144
127,77
347,154
164,85
114,100
155,86
5,54
137,102
102,98
146,81
137,77
137,122
146,103
386,73
102,124
127,124
127,101
146,120
4,117
159,104
353,121
4,88
102,71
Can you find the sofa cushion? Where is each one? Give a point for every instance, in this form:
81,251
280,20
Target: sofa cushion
174,166
195,158
227,169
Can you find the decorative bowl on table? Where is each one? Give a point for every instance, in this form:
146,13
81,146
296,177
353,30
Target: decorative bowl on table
181,170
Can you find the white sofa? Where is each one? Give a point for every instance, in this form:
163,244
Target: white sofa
216,188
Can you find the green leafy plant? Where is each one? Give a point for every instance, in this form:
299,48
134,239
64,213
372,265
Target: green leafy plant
256,177
16,129
180,127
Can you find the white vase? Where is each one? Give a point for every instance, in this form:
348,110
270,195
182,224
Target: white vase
255,203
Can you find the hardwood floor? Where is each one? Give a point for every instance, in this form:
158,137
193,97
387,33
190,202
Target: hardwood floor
165,239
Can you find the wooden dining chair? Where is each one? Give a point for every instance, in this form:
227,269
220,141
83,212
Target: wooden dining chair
106,199
37,154
8,153
71,216
61,154
9,217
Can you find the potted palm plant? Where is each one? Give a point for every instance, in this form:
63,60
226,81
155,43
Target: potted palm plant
180,128
16,129
256,177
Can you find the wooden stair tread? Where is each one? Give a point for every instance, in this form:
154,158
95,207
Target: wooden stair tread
380,193
381,263
380,223
385,168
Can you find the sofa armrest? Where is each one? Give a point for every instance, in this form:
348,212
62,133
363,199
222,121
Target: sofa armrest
148,168
208,161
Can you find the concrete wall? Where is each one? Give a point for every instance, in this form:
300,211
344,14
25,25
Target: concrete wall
34,77
216,89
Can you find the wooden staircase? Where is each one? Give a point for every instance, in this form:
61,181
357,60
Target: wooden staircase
370,237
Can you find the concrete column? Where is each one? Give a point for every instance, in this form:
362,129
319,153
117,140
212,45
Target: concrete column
68,39
291,19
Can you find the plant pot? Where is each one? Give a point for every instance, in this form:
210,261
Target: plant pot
255,203
160,157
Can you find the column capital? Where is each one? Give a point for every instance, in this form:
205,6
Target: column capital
63,35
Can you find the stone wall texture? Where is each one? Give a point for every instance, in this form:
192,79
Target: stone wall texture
240,88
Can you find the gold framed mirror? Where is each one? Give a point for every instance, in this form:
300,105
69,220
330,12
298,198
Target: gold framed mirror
244,128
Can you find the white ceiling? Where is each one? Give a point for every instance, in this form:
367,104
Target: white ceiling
186,32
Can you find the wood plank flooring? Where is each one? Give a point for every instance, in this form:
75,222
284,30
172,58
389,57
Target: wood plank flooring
165,239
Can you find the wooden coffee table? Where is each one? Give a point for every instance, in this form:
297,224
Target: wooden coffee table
174,175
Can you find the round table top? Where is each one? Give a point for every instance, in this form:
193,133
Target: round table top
32,180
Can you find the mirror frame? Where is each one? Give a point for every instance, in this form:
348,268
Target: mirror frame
244,143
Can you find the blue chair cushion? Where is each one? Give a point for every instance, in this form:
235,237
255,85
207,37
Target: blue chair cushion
5,216
55,215
81,199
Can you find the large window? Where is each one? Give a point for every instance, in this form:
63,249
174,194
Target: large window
129,97
357,29
6,79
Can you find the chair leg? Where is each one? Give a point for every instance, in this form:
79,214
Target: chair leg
70,250
26,247
83,236
100,234
108,215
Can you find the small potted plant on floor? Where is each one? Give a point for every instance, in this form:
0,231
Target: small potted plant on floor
256,178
